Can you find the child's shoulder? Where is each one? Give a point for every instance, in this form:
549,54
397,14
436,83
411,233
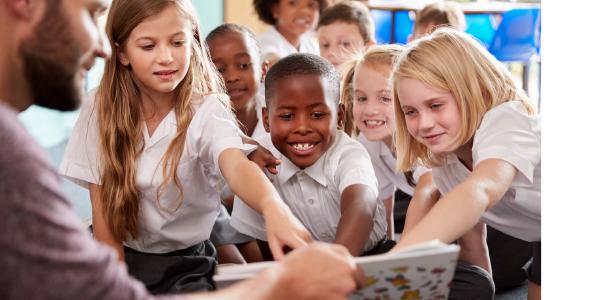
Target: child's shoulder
346,148
509,115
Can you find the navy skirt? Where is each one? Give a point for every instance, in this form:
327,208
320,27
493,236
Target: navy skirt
185,270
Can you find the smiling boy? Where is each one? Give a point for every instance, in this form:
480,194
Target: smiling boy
325,177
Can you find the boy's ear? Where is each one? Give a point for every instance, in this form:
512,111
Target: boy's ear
264,68
265,119
341,114
122,56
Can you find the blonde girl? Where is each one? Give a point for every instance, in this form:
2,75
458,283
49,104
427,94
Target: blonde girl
152,143
367,97
459,111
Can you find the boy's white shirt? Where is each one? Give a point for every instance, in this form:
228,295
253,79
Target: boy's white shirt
384,164
211,131
506,132
272,42
314,194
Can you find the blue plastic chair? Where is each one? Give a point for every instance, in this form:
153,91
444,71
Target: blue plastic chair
383,26
518,40
482,26
403,22
518,36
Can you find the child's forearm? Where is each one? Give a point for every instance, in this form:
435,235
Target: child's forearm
457,212
358,204
248,182
473,247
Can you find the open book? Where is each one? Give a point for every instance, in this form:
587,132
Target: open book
421,271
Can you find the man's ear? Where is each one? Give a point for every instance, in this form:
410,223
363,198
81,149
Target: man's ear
26,9
265,119
263,69
341,116
122,56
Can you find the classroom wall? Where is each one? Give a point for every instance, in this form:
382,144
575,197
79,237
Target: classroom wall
210,13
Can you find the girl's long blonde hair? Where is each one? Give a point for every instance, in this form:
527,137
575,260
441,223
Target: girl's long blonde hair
377,57
121,119
453,61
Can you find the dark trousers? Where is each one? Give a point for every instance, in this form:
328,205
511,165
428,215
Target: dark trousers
186,270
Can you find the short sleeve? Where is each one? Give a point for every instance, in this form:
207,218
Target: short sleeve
418,171
248,221
214,129
354,165
80,162
509,133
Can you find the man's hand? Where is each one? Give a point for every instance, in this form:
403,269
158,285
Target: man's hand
318,271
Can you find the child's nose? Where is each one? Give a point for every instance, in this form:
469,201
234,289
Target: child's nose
303,125
231,77
165,56
426,121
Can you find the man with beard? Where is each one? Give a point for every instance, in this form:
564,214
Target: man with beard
45,253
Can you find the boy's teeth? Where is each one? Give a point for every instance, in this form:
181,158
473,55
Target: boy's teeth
302,147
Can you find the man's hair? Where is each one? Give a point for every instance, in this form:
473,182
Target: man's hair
300,64
264,9
351,12
441,13
228,28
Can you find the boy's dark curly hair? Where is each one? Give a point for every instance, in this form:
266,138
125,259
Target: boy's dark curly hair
264,9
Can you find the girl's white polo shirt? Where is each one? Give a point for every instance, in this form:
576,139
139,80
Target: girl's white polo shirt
506,132
384,164
165,229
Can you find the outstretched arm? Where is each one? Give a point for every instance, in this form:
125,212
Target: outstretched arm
462,207
358,205
252,186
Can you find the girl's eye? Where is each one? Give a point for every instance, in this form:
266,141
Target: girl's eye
244,66
221,70
292,2
147,47
409,113
346,44
436,106
179,43
385,99
361,99
324,46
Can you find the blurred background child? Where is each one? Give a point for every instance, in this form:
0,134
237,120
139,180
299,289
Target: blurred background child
438,14
343,30
235,53
292,27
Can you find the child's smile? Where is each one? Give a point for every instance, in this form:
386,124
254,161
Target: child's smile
300,118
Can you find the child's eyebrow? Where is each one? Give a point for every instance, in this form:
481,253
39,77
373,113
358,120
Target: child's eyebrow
153,38
243,55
